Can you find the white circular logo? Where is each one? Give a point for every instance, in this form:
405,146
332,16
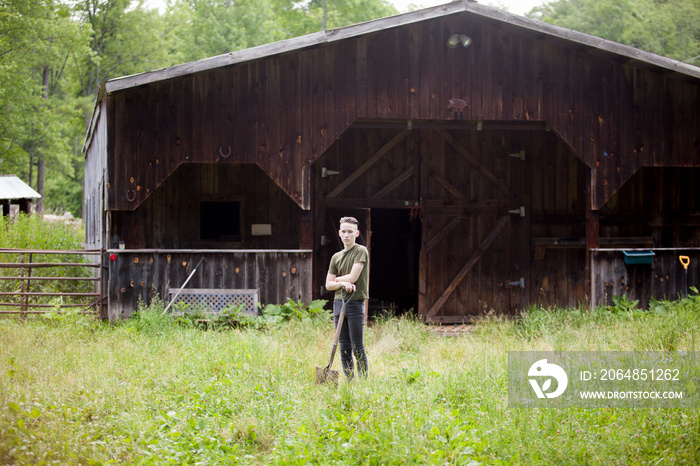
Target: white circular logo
547,372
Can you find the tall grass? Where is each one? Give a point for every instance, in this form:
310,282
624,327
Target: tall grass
32,232
150,391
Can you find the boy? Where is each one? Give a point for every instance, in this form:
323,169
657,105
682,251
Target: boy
348,272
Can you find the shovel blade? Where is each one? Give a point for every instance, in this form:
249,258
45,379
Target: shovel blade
326,375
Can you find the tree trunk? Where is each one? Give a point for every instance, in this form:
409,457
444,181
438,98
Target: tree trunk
40,171
324,19
41,162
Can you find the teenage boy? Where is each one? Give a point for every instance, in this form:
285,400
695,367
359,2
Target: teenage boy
348,273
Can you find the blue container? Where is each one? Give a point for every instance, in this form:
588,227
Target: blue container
639,257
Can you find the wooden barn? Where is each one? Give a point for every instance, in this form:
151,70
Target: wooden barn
494,162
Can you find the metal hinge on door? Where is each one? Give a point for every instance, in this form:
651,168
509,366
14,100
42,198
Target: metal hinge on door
520,283
325,172
518,155
519,211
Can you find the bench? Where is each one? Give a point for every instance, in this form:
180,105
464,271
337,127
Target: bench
215,300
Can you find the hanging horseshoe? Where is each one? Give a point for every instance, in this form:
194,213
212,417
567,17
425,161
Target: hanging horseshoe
130,195
227,154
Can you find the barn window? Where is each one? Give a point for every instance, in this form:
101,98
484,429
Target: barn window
220,221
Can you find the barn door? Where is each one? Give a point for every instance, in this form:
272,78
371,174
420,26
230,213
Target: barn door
475,242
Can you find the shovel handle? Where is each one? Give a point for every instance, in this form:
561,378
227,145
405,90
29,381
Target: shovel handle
685,260
339,327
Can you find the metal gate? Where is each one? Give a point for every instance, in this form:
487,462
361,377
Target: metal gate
34,281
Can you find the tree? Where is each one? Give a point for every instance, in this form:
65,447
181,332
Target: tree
665,27
205,28
35,39
123,40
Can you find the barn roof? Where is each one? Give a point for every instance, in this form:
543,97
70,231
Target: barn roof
579,40
12,188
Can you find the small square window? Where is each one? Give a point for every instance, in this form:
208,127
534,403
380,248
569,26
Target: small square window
220,221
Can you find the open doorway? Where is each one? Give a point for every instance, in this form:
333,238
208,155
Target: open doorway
396,242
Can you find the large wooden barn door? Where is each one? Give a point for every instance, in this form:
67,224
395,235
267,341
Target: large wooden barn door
461,188
475,241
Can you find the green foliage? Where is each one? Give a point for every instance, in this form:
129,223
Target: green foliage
32,232
623,304
205,28
153,391
296,310
272,315
671,29
39,114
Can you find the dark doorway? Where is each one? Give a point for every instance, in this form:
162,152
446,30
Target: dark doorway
396,242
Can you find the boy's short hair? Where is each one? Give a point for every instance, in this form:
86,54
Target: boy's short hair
351,220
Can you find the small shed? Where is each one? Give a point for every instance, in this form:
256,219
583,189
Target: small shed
495,162
15,191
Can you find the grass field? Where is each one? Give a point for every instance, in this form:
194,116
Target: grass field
149,391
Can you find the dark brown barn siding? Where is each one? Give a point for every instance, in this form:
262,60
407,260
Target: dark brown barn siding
94,187
284,111
170,218
591,123
462,185
139,275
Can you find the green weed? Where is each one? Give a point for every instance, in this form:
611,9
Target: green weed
31,232
155,390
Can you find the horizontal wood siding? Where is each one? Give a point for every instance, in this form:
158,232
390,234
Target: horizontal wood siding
662,280
140,275
284,111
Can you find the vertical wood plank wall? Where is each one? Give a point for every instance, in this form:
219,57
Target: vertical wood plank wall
664,279
282,112
170,218
258,130
459,207
94,186
138,274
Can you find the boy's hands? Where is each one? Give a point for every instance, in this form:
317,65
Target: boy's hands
349,287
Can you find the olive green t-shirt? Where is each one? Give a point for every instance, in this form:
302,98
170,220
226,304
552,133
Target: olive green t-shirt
341,264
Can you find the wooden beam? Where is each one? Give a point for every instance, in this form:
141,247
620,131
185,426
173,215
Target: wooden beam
472,160
395,183
306,231
467,267
368,163
348,202
447,185
449,208
592,237
442,234
460,125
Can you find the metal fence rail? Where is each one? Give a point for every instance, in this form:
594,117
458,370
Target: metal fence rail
21,289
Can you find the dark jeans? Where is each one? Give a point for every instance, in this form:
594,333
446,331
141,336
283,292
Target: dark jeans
352,337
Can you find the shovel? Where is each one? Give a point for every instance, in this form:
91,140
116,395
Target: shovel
325,374
685,262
